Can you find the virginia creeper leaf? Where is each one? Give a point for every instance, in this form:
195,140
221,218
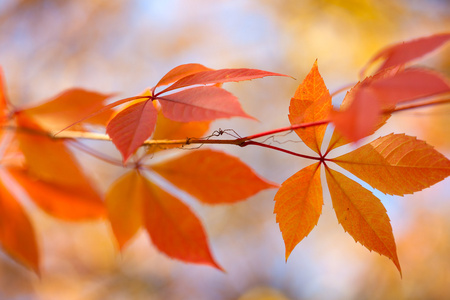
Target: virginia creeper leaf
3,98
396,164
362,215
311,102
404,52
67,108
201,104
131,127
212,177
124,202
219,76
167,129
181,71
174,228
364,113
337,139
17,235
298,205
64,202
64,191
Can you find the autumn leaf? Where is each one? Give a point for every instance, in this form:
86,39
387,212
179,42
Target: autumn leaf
124,202
131,127
298,205
396,164
68,108
133,201
174,228
3,98
218,76
363,115
167,129
53,178
201,104
404,52
362,215
179,72
17,236
311,102
212,177
348,124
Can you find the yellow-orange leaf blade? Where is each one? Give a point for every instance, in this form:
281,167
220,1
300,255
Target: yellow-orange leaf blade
16,231
397,164
167,129
212,177
362,215
124,204
174,228
298,205
311,102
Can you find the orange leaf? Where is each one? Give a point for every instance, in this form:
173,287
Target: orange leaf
67,108
212,177
402,53
63,202
3,98
50,162
167,129
298,205
124,203
181,71
131,127
396,164
362,215
201,104
219,76
173,228
311,102
17,235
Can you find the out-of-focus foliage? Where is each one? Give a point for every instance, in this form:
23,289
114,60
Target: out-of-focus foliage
123,46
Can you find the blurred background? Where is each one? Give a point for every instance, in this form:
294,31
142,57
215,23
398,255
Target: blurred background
47,46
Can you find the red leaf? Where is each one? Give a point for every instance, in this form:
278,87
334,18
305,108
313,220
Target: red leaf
410,84
212,177
201,104
174,229
17,235
131,127
364,113
179,72
402,53
219,76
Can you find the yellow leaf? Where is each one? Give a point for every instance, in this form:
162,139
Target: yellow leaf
212,177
